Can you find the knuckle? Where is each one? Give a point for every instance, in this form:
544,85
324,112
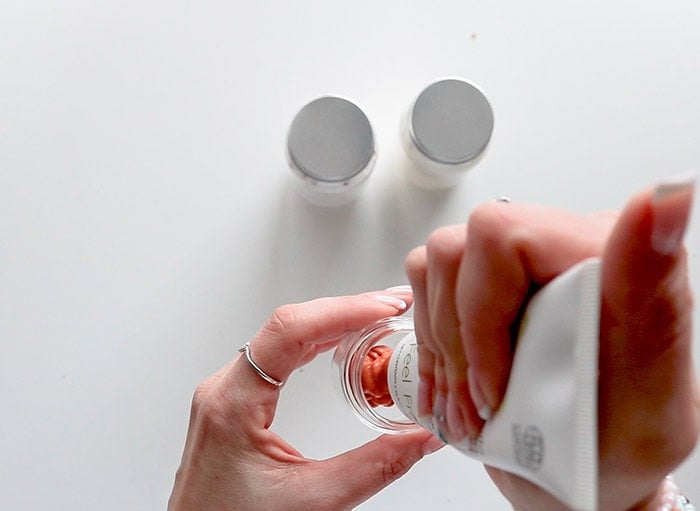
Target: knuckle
486,222
208,413
212,419
200,396
663,452
393,469
281,319
445,245
456,366
428,348
667,319
415,264
443,342
426,373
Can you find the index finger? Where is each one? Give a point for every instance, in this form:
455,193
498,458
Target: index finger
511,249
295,333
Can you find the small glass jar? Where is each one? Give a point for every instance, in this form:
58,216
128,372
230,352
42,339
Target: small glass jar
350,354
445,132
331,150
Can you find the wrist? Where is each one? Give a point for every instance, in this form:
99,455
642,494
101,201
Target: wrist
667,497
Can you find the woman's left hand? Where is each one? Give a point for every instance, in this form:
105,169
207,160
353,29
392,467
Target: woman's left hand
232,460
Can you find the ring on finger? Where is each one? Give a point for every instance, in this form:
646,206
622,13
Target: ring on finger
269,379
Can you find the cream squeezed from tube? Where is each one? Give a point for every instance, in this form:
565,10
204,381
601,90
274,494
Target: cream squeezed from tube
546,427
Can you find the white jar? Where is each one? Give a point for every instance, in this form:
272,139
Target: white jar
331,150
445,132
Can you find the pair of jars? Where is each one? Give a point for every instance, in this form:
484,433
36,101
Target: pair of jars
331,145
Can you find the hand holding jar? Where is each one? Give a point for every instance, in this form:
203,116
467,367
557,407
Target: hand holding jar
232,460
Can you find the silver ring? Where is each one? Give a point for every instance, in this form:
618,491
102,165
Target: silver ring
503,198
269,379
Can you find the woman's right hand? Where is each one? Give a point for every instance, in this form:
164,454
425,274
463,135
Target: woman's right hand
471,283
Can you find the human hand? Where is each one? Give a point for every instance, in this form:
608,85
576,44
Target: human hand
471,285
232,460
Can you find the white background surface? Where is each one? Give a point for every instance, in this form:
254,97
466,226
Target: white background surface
147,225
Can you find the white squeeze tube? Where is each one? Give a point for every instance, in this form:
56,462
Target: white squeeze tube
545,429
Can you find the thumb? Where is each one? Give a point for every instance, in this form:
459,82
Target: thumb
646,378
351,478
644,276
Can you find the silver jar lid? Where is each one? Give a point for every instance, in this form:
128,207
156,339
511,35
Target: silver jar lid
331,140
451,122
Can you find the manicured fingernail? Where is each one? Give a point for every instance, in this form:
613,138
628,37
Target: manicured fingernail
400,290
397,303
440,416
671,204
455,422
432,444
477,394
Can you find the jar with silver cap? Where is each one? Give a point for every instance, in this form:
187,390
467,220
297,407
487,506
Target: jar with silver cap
445,132
331,150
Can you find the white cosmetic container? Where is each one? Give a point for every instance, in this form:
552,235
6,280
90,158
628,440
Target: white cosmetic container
445,132
331,150
546,427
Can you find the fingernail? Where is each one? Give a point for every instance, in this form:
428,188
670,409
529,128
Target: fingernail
455,422
397,303
671,203
440,415
432,444
400,290
477,394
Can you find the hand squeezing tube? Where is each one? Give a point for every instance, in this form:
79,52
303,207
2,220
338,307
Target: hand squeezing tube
546,427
